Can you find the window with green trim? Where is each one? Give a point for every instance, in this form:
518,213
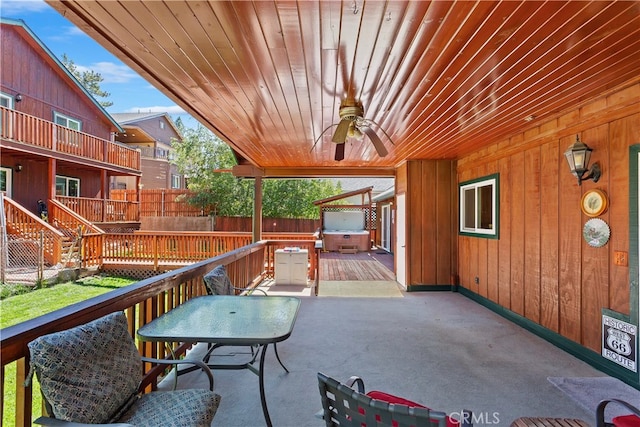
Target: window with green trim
479,210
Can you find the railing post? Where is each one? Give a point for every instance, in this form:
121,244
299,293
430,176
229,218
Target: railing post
4,244
24,395
156,255
41,257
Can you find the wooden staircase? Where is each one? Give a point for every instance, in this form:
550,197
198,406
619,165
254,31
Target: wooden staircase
73,226
22,223
62,234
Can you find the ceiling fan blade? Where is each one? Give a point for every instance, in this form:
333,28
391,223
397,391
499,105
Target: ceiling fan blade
377,142
340,135
340,151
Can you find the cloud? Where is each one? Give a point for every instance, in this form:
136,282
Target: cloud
74,31
173,109
110,71
22,7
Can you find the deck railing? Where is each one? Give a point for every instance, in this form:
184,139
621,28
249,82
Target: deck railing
26,129
160,250
102,210
142,302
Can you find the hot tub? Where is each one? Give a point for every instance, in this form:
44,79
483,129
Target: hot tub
335,240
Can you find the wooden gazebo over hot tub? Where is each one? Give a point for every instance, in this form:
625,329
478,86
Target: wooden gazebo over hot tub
347,227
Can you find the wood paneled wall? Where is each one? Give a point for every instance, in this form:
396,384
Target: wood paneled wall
541,267
429,186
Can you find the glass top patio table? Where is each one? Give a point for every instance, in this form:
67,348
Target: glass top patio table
224,319
229,320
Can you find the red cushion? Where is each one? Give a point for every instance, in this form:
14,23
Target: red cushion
626,421
390,398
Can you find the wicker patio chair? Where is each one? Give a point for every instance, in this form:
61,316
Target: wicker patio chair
92,374
345,406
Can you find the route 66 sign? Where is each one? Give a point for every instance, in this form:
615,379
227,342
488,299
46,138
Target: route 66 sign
619,342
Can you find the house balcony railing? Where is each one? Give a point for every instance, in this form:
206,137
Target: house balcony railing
155,153
102,210
23,128
142,302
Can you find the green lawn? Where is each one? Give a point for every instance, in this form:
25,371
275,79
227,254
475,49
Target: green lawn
18,308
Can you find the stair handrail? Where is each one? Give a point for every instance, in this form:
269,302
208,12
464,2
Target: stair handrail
78,220
29,226
41,224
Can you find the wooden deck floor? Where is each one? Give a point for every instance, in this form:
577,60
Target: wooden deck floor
371,266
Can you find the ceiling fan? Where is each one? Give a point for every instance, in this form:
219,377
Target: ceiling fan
353,125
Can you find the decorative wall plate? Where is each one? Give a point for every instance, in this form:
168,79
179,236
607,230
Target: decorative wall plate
596,232
594,202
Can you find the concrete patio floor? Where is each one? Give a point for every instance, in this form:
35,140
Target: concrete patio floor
437,348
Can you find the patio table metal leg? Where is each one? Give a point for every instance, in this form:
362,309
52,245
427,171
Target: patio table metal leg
263,398
275,348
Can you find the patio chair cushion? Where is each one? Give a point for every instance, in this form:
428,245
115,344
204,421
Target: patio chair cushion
217,282
344,405
396,400
626,421
178,408
92,388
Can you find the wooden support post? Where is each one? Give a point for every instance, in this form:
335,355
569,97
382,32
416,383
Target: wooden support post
257,209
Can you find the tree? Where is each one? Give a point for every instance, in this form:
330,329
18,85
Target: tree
206,161
89,79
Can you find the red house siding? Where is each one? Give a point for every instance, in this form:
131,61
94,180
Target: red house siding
44,87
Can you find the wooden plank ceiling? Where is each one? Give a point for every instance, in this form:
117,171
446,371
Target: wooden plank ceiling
440,78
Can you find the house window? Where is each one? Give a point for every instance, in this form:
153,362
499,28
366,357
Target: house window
479,210
64,136
6,100
5,181
161,124
175,181
68,122
67,186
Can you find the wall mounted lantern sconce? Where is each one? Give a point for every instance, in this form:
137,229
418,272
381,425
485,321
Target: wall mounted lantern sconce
18,167
18,98
578,156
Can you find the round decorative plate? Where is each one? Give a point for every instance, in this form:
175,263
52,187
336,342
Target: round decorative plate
596,232
594,202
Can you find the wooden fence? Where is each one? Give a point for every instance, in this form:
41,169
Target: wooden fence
173,203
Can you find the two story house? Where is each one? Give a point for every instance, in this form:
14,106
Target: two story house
152,134
57,143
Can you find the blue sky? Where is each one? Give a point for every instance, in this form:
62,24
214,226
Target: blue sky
129,92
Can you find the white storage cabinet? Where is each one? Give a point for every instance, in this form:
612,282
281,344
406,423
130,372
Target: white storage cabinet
291,267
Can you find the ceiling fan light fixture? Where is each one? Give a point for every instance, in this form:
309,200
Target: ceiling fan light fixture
350,111
354,132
